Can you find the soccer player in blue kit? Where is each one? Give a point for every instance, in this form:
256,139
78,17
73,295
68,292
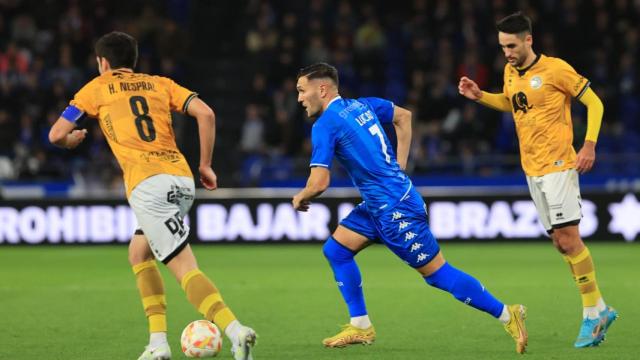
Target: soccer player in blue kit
392,212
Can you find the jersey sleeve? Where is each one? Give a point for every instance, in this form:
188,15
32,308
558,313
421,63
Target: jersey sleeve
86,99
323,140
569,81
505,77
382,107
180,97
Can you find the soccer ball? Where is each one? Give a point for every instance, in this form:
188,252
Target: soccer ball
201,339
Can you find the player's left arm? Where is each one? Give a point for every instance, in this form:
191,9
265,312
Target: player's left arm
206,119
587,155
317,183
63,133
402,124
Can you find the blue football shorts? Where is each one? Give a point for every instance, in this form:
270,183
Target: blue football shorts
404,229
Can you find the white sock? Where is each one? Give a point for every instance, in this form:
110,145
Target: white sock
505,316
232,330
590,312
593,312
157,338
361,322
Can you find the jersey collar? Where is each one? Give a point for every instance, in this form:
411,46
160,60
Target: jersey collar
338,97
522,71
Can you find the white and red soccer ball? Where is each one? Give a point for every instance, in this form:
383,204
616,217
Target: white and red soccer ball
201,339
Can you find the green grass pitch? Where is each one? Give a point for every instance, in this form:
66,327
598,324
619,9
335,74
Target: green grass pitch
81,302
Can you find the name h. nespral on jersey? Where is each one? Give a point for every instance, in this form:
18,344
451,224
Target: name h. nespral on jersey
132,86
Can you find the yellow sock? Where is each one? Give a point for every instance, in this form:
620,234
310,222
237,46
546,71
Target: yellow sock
206,298
151,290
584,275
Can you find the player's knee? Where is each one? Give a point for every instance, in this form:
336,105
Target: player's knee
444,278
569,248
335,252
567,242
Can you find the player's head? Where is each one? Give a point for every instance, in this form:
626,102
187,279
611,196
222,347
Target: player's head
514,36
317,85
116,50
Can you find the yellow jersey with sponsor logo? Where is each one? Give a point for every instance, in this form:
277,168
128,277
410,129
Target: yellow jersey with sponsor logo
134,112
540,97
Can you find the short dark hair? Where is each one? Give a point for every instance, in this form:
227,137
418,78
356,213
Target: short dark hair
516,23
120,49
318,71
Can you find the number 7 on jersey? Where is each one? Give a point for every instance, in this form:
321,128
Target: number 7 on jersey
375,130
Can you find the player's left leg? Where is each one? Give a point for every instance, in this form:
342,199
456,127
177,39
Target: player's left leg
597,316
206,298
405,231
563,211
467,289
151,289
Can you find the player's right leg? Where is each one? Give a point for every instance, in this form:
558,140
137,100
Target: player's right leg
340,250
152,293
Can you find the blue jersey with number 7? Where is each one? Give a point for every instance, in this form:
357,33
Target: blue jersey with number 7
351,130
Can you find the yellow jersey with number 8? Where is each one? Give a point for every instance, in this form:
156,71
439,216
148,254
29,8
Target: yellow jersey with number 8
540,97
134,112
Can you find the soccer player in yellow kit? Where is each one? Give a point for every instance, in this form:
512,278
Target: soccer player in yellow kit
134,113
538,91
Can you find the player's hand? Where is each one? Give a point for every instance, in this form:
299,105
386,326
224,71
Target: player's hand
586,157
75,138
208,178
300,204
469,89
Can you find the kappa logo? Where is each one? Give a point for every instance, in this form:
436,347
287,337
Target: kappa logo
415,246
422,256
397,215
410,235
403,224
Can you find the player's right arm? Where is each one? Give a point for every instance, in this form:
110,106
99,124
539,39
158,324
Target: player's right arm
323,139
207,134
469,89
62,133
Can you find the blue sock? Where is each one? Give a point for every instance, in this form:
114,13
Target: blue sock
465,288
347,275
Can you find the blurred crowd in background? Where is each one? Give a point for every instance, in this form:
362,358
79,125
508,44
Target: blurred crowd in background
412,52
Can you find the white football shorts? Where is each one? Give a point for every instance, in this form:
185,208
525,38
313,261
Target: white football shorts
160,203
557,198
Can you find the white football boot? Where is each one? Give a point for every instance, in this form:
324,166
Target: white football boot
242,347
159,352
